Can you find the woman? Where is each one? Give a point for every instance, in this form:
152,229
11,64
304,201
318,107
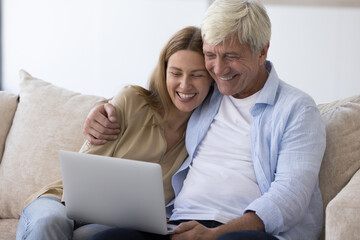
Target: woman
154,119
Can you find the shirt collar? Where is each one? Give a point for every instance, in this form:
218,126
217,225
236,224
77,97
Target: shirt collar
268,92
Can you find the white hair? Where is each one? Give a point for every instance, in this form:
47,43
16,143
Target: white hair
245,18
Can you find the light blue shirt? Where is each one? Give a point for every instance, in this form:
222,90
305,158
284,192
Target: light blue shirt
287,146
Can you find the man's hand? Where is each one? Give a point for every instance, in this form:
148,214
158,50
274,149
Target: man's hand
193,230
101,124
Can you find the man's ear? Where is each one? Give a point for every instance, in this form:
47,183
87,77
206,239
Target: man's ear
263,53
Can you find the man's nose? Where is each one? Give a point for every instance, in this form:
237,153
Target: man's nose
220,66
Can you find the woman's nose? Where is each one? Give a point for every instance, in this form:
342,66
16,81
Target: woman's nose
185,82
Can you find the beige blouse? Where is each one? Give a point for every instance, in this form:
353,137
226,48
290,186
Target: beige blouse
141,138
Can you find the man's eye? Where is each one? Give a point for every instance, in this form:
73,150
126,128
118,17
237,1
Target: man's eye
209,55
232,57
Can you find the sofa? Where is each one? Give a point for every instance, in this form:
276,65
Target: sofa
44,118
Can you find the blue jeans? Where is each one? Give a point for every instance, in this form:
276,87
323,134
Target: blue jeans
45,218
247,235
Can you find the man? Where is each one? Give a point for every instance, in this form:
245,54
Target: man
255,145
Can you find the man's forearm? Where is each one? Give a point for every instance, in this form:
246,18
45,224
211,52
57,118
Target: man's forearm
248,221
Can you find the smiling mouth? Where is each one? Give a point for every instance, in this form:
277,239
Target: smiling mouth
227,78
185,96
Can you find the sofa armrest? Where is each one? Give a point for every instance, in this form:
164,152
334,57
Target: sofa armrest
343,212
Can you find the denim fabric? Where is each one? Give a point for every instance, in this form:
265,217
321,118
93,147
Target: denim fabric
86,231
247,235
127,233
43,219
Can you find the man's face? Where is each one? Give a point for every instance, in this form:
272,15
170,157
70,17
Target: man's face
235,69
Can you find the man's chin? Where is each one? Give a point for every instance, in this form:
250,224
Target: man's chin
226,91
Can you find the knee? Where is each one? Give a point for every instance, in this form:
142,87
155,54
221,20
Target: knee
45,212
47,219
45,227
52,220
46,222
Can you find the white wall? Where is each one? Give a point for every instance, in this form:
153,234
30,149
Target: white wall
98,46
90,46
317,49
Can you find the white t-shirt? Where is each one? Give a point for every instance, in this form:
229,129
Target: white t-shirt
221,181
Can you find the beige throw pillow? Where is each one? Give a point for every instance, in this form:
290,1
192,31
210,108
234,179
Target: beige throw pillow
342,155
48,118
8,104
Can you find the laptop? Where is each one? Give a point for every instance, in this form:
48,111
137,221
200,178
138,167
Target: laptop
115,192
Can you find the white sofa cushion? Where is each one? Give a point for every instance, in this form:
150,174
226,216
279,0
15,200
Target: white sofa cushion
48,118
342,155
343,212
8,104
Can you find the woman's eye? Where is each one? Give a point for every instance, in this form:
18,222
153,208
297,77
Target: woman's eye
176,74
198,76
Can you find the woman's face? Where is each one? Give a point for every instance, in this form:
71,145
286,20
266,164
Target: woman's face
187,80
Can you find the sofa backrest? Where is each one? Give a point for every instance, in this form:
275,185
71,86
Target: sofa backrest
342,154
8,105
48,118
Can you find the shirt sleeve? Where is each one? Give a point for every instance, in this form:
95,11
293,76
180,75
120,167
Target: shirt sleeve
127,103
300,150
